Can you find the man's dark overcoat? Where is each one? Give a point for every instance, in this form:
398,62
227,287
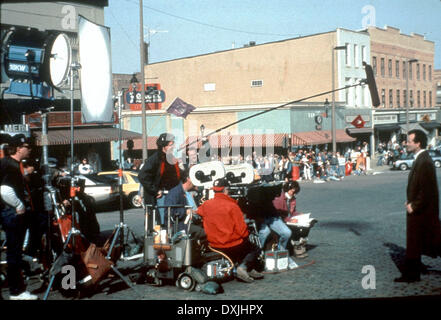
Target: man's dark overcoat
423,225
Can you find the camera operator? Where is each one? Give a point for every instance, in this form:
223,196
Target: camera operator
227,231
160,173
88,223
274,221
16,205
180,195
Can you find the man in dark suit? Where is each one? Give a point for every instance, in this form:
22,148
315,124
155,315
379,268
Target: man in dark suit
422,209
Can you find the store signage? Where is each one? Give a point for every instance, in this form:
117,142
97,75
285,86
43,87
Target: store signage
366,118
13,129
426,117
358,122
154,97
385,118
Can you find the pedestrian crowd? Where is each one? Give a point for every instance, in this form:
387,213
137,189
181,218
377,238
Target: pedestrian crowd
309,164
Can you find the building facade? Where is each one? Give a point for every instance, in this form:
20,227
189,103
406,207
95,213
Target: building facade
229,88
403,66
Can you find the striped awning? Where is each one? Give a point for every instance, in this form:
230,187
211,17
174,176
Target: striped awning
320,137
239,140
137,143
84,135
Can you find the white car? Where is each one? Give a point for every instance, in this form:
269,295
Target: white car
101,189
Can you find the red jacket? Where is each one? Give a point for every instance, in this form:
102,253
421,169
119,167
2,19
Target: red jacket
282,207
223,221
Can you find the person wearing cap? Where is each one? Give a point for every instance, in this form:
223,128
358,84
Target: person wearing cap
160,173
13,214
226,230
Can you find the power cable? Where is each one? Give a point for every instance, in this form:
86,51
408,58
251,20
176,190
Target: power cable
215,26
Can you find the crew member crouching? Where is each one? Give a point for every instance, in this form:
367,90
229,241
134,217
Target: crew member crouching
227,231
181,195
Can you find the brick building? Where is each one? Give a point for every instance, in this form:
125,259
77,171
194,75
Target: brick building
231,85
394,56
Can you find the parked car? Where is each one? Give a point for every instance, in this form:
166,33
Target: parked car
130,185
102,190
406,160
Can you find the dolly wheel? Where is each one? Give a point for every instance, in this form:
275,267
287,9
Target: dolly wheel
186,282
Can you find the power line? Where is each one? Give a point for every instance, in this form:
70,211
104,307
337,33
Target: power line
122,28
215,26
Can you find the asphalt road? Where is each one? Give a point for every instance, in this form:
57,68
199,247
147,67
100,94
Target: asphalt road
355,249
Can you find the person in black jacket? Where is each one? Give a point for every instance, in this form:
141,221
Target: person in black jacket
14,214
160,173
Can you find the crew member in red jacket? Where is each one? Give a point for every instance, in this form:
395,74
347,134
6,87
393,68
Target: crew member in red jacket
227,231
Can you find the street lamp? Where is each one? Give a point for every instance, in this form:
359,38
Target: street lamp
334,144
409,62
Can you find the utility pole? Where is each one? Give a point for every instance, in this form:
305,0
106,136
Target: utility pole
142,58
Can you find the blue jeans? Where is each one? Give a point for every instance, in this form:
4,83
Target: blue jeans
15,228
341,171
278,226
380,161
161,202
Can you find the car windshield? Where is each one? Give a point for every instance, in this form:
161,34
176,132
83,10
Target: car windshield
100,179
135,177
406,156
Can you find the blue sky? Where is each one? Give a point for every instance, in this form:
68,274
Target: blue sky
203,26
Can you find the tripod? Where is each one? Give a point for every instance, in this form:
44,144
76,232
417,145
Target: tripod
119,231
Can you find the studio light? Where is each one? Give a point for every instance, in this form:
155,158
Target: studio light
96,72
36,61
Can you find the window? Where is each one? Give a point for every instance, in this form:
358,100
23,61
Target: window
418,99
397,69
430,99
411,98
256,83
383,97
363,53
209,87
382,67
356,64
348,83
348,54
389,67
424,72
398,99
405,98
418,71
404,70
430,73
391,99
410,70
374,65
424,99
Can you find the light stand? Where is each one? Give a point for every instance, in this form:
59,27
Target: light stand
73,189
118,232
